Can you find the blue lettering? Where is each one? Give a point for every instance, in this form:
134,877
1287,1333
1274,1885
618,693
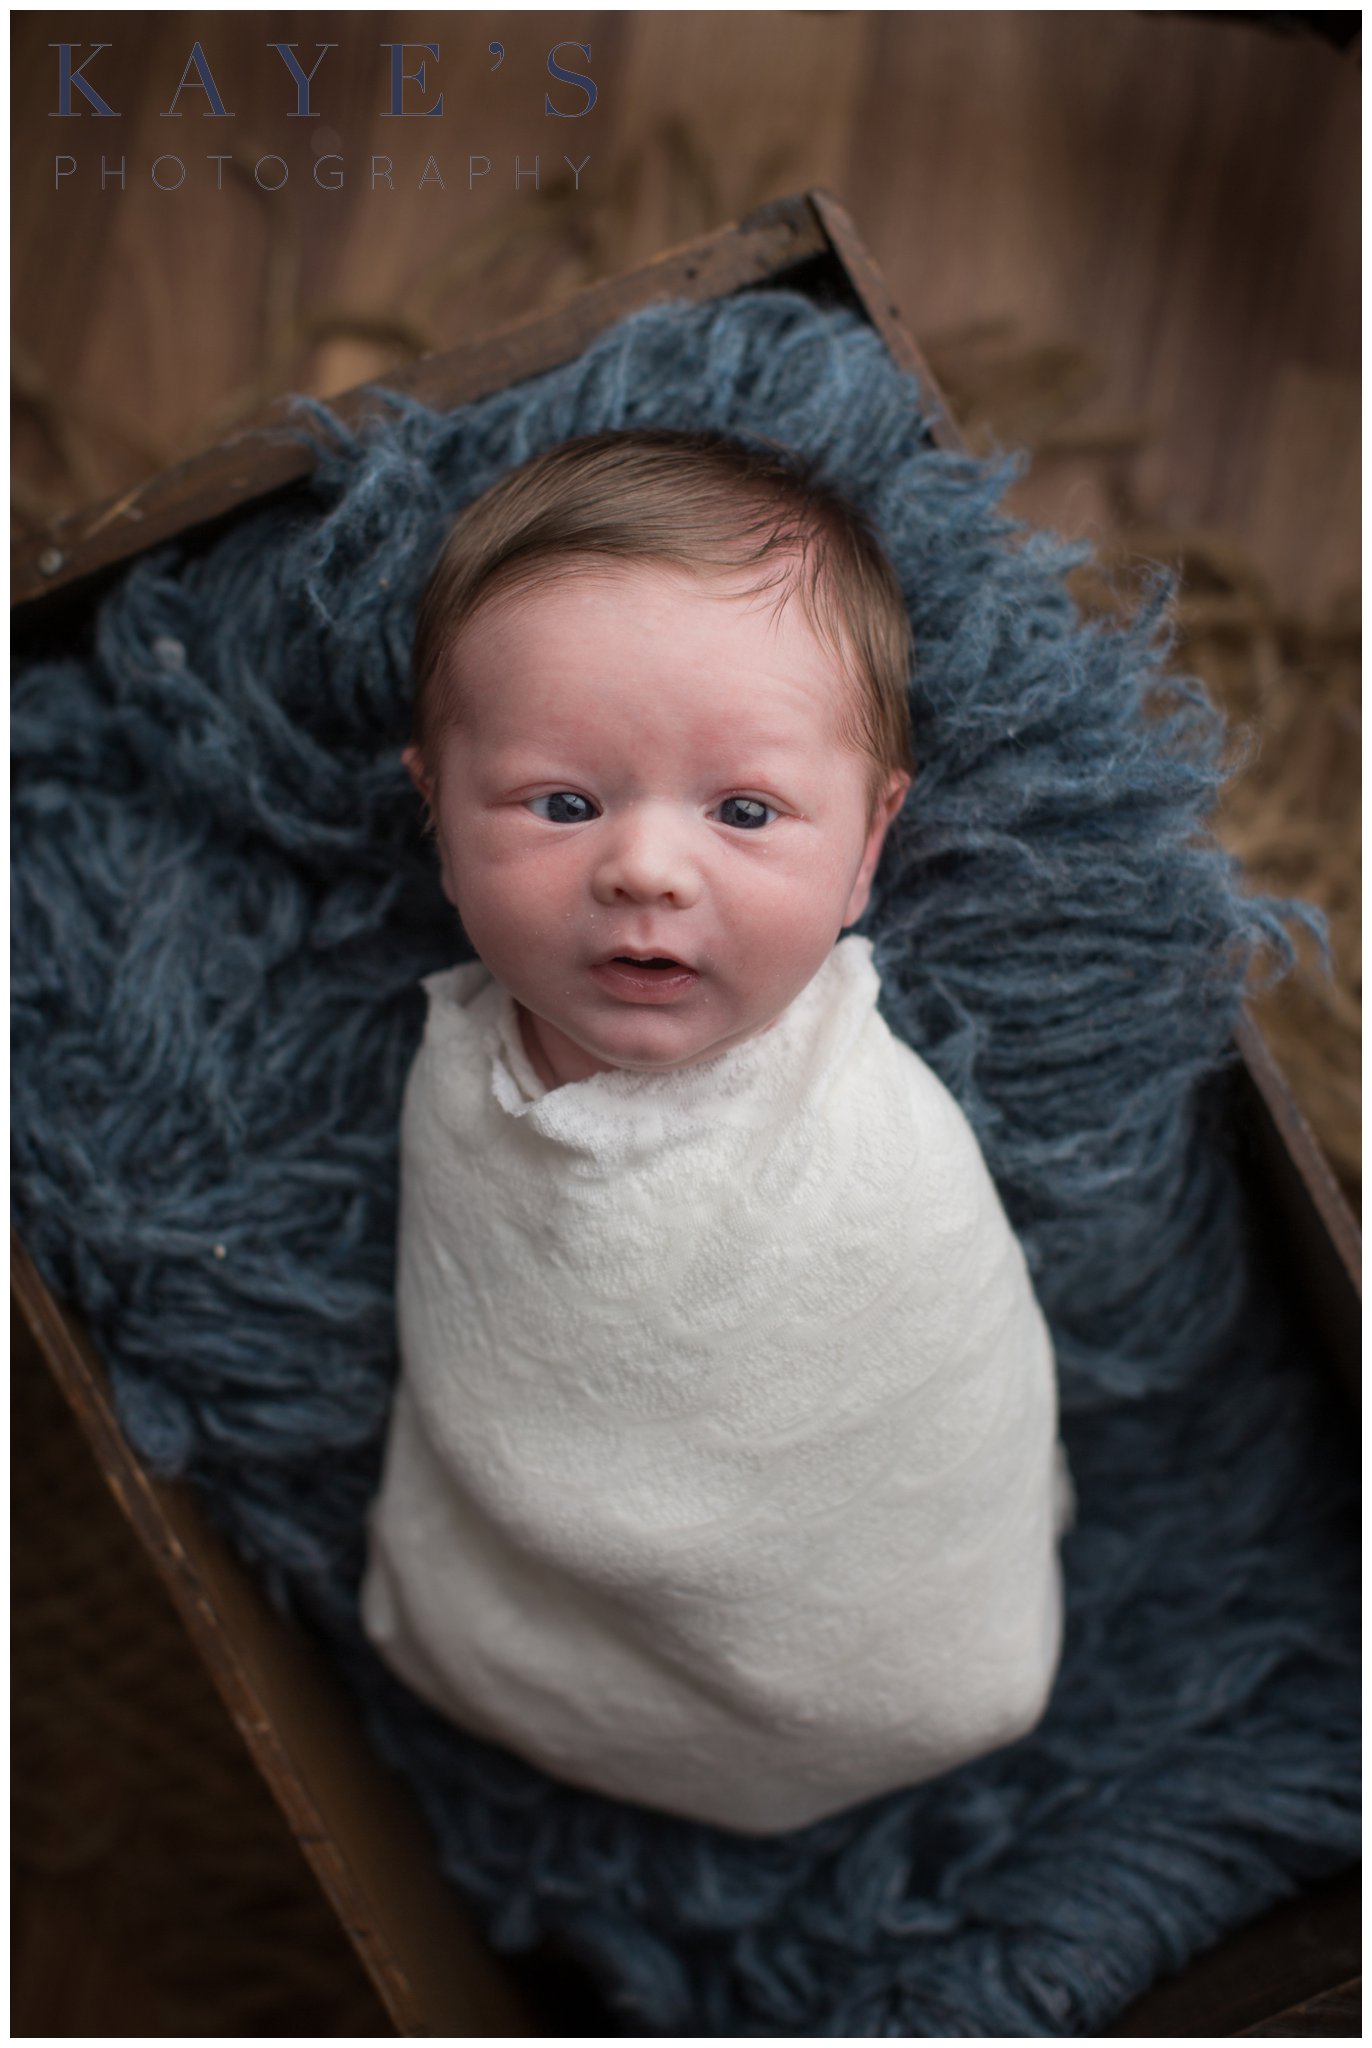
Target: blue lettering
67,78
588,85
303,79
204,79
400,77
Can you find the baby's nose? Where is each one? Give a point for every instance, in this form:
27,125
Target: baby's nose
647,857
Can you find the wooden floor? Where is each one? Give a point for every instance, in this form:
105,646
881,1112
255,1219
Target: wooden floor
1177,199
1169,207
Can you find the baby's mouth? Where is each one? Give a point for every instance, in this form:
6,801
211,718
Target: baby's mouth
645,977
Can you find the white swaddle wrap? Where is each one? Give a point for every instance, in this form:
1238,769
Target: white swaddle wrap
722,1472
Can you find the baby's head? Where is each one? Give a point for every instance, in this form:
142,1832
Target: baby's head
661,727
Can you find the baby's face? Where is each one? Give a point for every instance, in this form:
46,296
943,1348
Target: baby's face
646,818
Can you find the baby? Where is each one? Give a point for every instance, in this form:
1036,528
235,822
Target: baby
722,1472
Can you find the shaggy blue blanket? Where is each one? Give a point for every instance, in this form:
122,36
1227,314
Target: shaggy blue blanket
222,908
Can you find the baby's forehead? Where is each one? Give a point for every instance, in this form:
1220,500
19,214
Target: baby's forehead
645,607
585,581
650,658
589,630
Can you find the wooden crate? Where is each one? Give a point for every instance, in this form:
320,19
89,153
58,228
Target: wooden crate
354,1822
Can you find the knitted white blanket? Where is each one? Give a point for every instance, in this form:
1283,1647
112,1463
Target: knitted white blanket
722,1473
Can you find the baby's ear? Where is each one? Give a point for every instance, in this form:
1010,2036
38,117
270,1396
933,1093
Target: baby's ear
419,774
892,797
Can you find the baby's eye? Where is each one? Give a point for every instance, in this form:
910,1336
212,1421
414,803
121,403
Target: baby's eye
745,812
563,807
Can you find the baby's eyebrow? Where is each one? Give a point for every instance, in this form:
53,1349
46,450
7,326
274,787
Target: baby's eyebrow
509,755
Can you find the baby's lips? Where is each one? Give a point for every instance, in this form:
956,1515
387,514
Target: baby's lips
633,957
636,978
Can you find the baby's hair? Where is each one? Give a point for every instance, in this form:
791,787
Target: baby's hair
694,501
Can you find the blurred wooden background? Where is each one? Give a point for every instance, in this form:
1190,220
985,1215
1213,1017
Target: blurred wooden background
1128,242
1175,199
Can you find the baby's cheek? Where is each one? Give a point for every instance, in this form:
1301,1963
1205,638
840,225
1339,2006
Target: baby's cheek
489,867
782,958
799,901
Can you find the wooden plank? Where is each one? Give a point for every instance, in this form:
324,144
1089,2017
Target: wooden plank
1330,2015
1298,1951
1233,155
355,1824
1322,1238
712,118
152,1872
1306,503
256,461
1231,152
870,290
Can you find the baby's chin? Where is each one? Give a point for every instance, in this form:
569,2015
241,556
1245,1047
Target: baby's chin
648,1045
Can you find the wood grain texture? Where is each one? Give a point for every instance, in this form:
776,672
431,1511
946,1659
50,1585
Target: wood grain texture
250,464
157,1888
1329,2015
355,1827
760,104
1178,197
1254,1978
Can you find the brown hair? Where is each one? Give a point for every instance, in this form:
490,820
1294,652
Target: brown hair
694,501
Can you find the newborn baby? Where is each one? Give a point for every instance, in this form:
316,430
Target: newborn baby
722,1472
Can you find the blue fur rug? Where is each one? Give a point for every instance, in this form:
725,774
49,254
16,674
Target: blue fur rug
222,906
